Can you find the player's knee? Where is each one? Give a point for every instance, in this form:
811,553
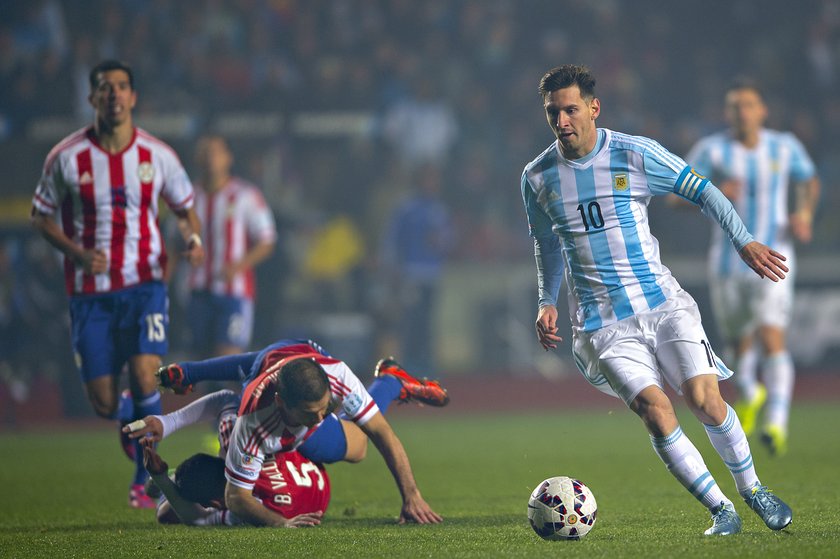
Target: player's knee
660,420
103,407
656,413
708,406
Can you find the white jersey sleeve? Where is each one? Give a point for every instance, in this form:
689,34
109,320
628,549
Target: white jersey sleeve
50,191
260,219
801,166
245,454
177,189
349,393
52,188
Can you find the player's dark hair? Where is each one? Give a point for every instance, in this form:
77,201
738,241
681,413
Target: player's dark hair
201,479
568,75
302,380
107,66
745,82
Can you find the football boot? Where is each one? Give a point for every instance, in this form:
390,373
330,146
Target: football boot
172,377
725,521
772,510
748,410
774,438
423,391
138,499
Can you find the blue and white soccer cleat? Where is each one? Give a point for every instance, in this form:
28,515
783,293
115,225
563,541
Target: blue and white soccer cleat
772,510
725,521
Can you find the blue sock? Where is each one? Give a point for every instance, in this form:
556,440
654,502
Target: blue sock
125,408
229,367
148,404
327,444
385,390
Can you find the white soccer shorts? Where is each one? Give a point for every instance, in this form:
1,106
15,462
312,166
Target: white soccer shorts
667,343
744,303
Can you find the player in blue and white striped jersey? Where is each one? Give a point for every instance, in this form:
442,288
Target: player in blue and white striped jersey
755,168
634,328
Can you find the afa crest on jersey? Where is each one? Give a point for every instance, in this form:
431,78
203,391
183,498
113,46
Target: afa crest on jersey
620,182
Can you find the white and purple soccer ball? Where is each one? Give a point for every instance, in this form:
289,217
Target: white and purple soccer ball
562,508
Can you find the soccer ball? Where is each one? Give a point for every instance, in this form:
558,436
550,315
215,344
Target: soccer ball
562,508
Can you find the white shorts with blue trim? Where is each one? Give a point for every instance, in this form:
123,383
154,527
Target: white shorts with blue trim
668,343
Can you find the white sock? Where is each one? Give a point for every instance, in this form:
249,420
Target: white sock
731,444
746,373
684,462
778,376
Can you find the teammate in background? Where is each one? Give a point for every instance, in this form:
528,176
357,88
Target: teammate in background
239,233
755,167
290,390
97,202
633,327
289,484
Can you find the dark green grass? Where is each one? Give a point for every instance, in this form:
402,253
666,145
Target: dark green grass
64,494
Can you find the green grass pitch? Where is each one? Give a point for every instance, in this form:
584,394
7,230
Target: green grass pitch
64,494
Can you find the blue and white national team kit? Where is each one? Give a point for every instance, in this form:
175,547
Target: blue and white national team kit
588,217
765,173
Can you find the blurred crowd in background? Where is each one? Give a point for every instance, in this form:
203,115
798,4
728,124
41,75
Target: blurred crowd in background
434,99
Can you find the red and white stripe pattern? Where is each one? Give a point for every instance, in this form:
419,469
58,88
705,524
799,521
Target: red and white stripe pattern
233,220
110,202
260,430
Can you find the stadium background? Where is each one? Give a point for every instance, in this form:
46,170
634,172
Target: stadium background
311,96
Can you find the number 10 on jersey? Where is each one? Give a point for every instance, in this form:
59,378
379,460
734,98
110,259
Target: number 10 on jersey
593,213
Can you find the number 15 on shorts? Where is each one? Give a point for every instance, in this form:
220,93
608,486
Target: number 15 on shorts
155,327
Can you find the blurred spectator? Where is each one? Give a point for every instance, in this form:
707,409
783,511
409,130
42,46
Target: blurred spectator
416,242
422,127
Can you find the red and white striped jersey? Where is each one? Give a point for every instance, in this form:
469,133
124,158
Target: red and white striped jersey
233,219
260,430
110,202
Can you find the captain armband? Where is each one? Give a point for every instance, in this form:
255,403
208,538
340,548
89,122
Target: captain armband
690,184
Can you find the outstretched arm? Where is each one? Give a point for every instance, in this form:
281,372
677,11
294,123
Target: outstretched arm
205,408
764,261
389,446
188,512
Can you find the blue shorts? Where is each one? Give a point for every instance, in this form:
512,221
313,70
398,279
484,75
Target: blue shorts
256,367
111,327
220,320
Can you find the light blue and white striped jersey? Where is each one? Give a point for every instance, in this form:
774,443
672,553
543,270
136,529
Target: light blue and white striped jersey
765,173
589,221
